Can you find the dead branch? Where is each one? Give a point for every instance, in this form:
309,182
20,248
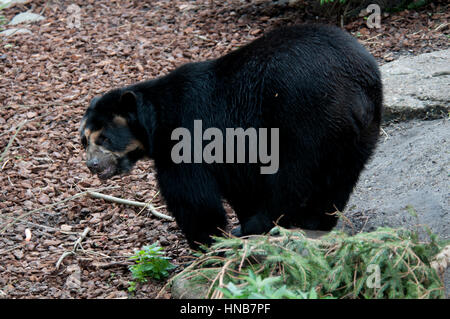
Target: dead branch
11,140
80,239
15,220
442,260
76,245
150,207
113,264
19,127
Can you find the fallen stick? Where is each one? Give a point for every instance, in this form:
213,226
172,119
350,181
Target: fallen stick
64,255
12,140
49,206
130,202
82,237
19,127
10,249
111,264
94,194
75,247
441,261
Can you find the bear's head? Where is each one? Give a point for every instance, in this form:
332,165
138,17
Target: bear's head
111,134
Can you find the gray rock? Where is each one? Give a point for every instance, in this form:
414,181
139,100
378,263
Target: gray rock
14,31
410,168
417,87
26,17
10,3
186,289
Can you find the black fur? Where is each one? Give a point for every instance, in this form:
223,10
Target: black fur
315,83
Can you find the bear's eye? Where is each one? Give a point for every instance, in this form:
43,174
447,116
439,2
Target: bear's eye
102,139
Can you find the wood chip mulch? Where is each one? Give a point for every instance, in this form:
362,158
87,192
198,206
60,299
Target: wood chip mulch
46,82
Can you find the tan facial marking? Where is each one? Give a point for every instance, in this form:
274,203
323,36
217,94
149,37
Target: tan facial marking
133,145
87,132
92,147
82,125
92,137
120,121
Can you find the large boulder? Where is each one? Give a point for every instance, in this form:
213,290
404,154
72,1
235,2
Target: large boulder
407,176
417,87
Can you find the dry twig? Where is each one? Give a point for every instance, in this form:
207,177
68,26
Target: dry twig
76,245
12,140
15,220
130,202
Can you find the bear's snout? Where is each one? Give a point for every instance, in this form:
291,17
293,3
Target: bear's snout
103,165
93,165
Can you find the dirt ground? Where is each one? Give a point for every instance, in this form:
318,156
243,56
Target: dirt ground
46,82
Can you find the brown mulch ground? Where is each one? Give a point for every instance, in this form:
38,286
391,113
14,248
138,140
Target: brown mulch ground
46,82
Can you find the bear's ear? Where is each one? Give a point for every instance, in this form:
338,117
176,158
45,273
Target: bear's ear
127,103
94,102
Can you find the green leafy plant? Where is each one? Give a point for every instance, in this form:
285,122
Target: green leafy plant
132,287
3,20
150,262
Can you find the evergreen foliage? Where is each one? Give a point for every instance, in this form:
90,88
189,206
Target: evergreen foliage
287,264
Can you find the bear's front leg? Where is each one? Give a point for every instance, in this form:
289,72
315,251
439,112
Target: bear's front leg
255,225
193,197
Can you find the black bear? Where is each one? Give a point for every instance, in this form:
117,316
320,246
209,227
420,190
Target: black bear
315,84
